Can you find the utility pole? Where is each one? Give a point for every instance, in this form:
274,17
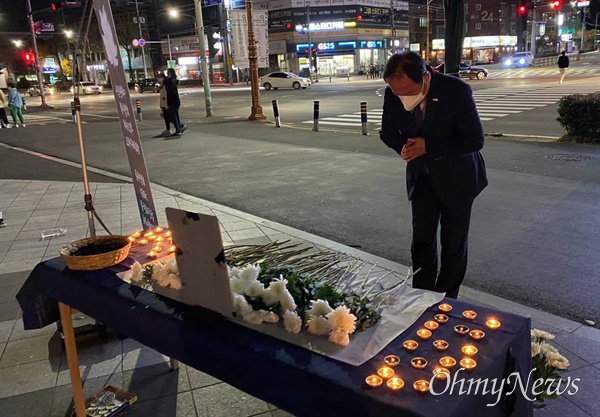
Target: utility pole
427,37
532,32
137,12
203,57
393,16
583,12
36,56
256,112
309,43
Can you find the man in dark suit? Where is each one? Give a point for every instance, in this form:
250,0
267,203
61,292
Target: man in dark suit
431,121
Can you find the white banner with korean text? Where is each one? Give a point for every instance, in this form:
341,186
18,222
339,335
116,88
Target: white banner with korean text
239,31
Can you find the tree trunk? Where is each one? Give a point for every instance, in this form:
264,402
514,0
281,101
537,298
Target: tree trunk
454,13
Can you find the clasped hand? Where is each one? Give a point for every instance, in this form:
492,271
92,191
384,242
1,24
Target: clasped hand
414,148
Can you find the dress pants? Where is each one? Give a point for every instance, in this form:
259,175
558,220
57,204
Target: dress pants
428,211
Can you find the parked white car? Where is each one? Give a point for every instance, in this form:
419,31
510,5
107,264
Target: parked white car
281,79
88,87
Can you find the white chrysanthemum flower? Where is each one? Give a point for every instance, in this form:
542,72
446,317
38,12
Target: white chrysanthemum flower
558,361
234,272
254,289
319,308
339,337
292,322
318,325
171,266
241,305
270,297
341,318
278,286
136,272
250,272
287,301
268,316
160,274
174,282
547,349
238,286
535,349
253,317
540,334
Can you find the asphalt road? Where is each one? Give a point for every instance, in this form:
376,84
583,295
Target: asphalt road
535,229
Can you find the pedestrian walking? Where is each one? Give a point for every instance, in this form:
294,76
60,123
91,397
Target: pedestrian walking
3,104
431,121
372,71
563,64
173,101
15,103
164,107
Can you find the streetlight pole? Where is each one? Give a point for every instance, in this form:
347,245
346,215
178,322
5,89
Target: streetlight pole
203,57
309,43
36,56
427,37
169,43
137,12
583,13
393,16
256,112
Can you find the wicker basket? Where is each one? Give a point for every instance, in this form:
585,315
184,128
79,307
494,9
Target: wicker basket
99,261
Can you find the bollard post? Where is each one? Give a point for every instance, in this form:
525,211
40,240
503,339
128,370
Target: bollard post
363,117
315,116
138,105
73,115
276,113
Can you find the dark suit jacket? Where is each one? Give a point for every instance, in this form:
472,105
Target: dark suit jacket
453,137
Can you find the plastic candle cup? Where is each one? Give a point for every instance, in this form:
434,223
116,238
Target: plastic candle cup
150,233
391,360
374,381
167,233
421,385
172,249
441,373
395,383
151,254
440,345
469,350
445,307
418,363
447,361
410,345
159,239
151,237
131,239
157,248
469,314
424,334
441,318
385,372
137,233
468,363
158,229
477,334
143,242
461,329
431,325
492,324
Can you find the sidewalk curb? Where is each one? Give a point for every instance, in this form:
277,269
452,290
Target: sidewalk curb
552,322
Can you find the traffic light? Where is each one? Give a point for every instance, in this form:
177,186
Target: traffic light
556,4
53,6
360,17
522,10
27,57
288,26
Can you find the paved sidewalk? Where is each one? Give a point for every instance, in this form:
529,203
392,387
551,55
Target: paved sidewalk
34,378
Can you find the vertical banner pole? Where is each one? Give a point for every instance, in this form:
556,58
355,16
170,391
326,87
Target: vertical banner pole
363,117
315,116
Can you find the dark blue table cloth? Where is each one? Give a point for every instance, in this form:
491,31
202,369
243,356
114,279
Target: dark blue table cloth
288,376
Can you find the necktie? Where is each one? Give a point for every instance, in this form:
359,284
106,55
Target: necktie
417,114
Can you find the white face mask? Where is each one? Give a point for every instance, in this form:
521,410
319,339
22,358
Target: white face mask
410,102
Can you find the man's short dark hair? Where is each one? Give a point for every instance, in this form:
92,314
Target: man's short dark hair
409,64
564,52
11,85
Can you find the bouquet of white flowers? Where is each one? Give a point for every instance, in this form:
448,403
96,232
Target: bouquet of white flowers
547,365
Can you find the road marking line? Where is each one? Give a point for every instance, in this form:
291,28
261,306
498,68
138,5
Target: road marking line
492,114
324,122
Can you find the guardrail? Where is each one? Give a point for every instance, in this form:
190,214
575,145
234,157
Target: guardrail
552,60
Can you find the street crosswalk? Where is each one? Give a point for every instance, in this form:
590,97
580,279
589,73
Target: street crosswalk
542,72
492,103
43,120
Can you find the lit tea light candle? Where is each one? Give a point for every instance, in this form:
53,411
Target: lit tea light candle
441,345
137,233
158,229
150,233
469,314
477,334
157,248
445,307
493,324
421,385
159,239
441,318
385,372
424,334
167,233
447,361
391,360
143,242
151,254
410,345
469,350
131,239
151,237
441,373
468,363
419,363
395,383
374,380
431,325
461,329
172,249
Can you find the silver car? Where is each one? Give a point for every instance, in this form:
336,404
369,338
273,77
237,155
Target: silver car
88,87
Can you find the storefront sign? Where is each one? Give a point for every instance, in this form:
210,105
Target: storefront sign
188,60
239,31
479,42
277,47
131,135
328,46
565,37
416,47
319,26
49,66
371,44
